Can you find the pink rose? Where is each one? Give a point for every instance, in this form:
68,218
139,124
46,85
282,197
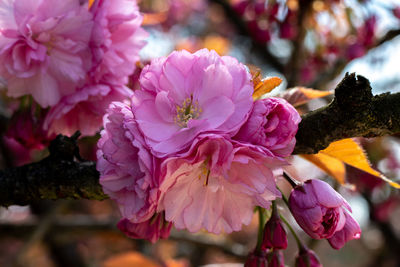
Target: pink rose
184,95
323,213
153,229
216,185
273,124
127,169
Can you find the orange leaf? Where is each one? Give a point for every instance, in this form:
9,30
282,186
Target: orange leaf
90,3
154,18
255,74
300,95
266,86
333,158
331,166
129,259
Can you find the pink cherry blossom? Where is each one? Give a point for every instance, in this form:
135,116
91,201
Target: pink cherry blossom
217,184
127,169
44,47
115,44
186,94
153,229
116,40
323,213
84,109
273,124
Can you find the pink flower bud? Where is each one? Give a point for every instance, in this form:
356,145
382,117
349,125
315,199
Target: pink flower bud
323,213
274,234
396,12
152,229
275,259
256,260
272,124
240,7
262,259
307,258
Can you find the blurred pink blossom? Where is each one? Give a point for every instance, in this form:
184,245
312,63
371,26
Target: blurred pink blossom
44,48
184,95
115,44
217,184
396,12
273,124
25,136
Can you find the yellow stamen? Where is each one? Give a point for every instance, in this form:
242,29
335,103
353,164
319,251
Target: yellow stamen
188,111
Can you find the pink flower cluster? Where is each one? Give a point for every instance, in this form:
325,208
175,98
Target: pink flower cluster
193,149
70,58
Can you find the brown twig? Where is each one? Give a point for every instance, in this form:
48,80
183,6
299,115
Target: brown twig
296,59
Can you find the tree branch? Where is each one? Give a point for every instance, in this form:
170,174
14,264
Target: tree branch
353,112
57,176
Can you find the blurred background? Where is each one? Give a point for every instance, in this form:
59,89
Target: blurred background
305,43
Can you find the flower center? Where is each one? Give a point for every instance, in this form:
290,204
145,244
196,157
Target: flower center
188,111
329,221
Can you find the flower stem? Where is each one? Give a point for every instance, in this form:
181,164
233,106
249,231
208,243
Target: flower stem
261,224
298,241
284,197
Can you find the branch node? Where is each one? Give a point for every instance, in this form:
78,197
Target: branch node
353,93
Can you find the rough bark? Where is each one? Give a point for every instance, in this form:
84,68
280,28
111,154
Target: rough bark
353,112
55,177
